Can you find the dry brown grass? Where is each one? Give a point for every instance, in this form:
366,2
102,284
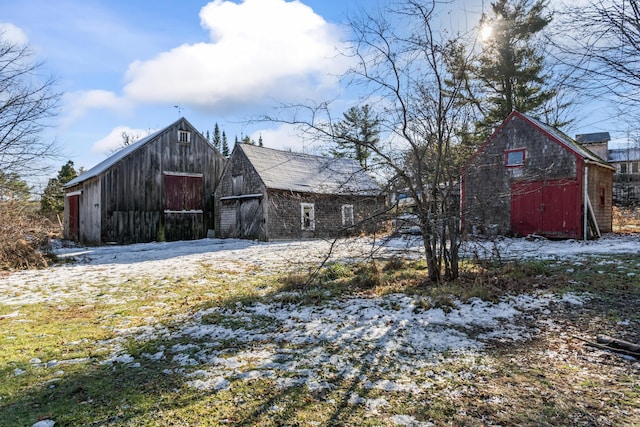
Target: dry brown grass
24,237
626,219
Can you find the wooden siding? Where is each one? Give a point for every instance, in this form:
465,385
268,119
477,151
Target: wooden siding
601,180
135,196
241,216
89,206
285,217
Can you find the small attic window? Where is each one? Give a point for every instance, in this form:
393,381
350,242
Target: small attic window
515,158
184,136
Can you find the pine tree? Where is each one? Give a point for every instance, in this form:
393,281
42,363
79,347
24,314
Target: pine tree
217,143
260,143
225,146
13,188
356,134
52,201
510,69
208,136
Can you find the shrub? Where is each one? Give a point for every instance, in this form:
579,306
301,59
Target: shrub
24,237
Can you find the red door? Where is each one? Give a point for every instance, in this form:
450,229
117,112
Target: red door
526,208
548,208
74,216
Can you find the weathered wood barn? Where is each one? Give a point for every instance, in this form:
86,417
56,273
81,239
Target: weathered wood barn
269,194
529,178
158,188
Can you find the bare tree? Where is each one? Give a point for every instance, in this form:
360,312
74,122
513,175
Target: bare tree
414,76
127,140
601,43
26,103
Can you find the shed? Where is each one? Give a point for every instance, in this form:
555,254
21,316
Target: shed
529,178
268,194
158,188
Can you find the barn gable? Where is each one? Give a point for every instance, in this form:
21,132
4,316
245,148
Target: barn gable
270,194
159,188
529,178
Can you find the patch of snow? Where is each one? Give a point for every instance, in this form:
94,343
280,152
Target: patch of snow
217,384
409,421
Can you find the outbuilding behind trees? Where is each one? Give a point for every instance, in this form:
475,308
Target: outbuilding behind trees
529,178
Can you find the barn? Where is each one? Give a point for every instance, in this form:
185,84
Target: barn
158,188
529,178
266,194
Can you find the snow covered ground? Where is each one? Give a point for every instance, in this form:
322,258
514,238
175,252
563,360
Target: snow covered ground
356,338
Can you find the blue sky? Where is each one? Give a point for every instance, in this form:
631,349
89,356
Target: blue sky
124,65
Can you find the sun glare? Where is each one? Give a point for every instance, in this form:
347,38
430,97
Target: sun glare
485,32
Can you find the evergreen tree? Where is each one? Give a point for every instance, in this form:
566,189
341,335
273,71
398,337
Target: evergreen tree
12,188
356,133
260,143
510,68
52,201
208,136
225,146
216,137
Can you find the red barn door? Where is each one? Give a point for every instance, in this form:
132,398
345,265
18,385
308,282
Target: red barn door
74,216
548,208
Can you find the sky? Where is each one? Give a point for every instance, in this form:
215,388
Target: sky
138,66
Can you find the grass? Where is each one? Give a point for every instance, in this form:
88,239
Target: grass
52,355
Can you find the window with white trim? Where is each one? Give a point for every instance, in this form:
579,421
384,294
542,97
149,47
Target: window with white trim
308,217
184,136
347,215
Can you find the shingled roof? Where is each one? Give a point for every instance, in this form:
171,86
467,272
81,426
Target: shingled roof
305,173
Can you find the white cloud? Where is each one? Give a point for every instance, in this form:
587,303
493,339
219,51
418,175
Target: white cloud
284,137
114,140
272,49
13,33
77,103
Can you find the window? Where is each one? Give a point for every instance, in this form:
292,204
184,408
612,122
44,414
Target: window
184,136
308,220
237,183
347,215
515,158
623,168
603,198
634,167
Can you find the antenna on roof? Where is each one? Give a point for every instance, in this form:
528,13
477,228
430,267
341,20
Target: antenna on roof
179,110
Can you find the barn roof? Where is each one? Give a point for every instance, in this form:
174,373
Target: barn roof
624,155
593,138
305,173
119,155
